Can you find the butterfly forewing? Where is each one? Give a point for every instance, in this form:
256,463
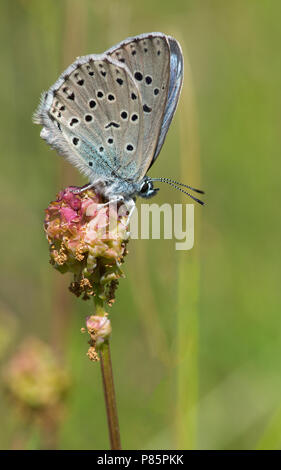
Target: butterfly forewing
148,59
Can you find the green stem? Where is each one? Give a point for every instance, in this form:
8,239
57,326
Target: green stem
108,386
109,396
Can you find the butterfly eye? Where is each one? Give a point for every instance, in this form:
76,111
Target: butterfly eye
147,190
145,187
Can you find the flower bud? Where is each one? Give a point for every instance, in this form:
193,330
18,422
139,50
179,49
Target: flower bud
99,329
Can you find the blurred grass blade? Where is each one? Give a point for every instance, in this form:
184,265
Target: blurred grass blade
271,438
187,352
188,279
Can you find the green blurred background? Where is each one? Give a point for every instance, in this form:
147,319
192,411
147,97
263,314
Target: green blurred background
196,335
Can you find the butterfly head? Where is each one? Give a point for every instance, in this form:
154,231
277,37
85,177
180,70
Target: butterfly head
146,188
129,189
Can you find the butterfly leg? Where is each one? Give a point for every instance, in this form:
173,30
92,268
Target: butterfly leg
113,200
130,206
84,188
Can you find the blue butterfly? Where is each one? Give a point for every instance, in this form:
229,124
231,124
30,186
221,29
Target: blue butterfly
109,113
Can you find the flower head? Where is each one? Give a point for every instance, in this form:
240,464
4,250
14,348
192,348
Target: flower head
88,238
34,378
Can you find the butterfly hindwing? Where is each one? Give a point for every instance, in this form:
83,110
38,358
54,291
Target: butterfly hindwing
95,107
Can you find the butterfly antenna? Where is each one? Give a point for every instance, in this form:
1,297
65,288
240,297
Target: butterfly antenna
168,180
179,189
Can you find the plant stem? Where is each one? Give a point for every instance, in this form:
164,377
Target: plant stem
109,396
108,385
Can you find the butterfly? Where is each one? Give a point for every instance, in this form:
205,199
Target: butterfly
109,114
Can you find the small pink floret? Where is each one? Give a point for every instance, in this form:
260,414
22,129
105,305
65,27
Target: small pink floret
69,214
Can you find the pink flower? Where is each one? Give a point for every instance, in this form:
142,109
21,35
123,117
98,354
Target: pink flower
34,378
88,238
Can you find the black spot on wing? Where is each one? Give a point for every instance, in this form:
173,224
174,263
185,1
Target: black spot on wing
147,109
88,118
92,103
73,122
138,76
112,124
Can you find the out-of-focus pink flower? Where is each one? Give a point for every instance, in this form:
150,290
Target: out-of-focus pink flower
87,238
34,378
